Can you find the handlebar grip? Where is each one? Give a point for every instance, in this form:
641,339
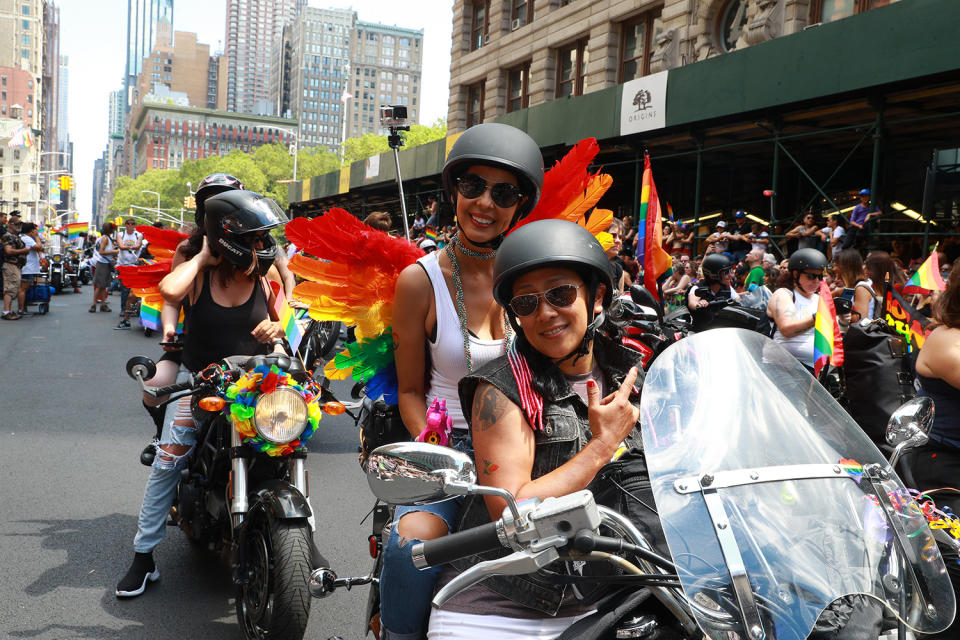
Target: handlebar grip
173,388
454,546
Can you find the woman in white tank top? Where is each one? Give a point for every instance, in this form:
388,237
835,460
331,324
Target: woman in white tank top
795,310
447,324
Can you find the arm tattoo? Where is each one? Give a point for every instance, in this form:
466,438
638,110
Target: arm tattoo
489,467
489,408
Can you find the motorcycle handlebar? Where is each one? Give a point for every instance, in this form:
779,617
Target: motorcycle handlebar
171,388
454,546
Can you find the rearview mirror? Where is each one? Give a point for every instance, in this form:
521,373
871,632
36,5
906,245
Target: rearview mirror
641,296
413,473
911,422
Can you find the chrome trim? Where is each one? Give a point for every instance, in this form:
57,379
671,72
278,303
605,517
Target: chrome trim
298,474
739,477
239,505
516,564
739,579
419,559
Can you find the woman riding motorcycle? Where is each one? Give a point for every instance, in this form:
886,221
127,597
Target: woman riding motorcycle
717,272
794,310
547,434
225,287
447,324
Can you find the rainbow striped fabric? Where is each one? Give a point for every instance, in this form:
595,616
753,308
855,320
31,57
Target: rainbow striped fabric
150,316
650,253
431,233
827,343
927,277
73,229
287,316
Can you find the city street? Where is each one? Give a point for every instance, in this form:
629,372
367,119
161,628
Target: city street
71,429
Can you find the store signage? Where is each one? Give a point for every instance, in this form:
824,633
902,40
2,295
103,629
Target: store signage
643,106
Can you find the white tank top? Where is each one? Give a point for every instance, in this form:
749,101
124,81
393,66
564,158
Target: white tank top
800,346
448,363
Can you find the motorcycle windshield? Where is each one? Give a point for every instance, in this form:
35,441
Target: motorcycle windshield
769,498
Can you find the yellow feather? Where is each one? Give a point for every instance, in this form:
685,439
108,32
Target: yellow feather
605,240
596,187
599,221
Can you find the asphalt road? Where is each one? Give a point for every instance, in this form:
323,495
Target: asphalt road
71,429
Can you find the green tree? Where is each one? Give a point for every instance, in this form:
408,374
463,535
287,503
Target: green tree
370,144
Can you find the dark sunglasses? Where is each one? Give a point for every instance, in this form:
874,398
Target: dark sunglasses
559,297
813,276
503,194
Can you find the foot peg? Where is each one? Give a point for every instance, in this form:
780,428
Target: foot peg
148,454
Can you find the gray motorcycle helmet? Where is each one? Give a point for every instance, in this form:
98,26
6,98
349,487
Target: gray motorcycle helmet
803,259
497,145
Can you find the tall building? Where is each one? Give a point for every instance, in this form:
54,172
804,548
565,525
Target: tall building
53,102
253,28
177,62
330,66
386,65
64,158
143,18
115,113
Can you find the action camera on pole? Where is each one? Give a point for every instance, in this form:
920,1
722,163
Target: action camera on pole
394,118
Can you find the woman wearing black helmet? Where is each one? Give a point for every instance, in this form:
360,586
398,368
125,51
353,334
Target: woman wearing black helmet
225,287
547,434
794,310
447,324
715,285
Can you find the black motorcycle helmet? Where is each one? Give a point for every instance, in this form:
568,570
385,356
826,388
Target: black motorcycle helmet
714,265
554,243
210,186
806,259
502,146
232,223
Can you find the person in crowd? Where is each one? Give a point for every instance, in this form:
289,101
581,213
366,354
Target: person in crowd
936,465
833,234
719,240
555,282
878,268
672,240
30,235
849,276
759,238
860,219
740,241
446,324
379,220
433,219
629,232
130,243
715,285
620,276
226,285
675,287
419,225
794,310
105,255
755,274
428,245
14,258
3,223
807,233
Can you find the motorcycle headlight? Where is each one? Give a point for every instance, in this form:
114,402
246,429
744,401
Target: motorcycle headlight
280,416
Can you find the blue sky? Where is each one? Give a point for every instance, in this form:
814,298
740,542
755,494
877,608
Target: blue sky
93,36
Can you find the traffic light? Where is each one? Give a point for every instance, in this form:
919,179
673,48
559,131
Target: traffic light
189,202
66,183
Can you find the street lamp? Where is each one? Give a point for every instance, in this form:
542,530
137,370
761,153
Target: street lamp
158,200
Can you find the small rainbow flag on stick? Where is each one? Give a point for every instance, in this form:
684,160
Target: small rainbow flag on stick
150,315
827,343
287,316
431,233
927,277
73,229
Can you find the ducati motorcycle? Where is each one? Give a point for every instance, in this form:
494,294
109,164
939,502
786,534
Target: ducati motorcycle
780,515
244,492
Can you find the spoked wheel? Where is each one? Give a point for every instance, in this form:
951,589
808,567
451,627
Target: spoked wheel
320,340
275,602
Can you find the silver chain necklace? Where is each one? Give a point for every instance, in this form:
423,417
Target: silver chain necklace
458,287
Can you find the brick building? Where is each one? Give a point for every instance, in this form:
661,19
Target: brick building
164,135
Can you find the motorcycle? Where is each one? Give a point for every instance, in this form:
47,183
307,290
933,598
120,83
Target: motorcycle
85,267
776,508
244,492
645,328
55,272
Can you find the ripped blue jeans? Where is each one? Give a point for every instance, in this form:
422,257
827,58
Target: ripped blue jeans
178,429
405,591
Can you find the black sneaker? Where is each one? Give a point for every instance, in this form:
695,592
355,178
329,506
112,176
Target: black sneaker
122,325
142,570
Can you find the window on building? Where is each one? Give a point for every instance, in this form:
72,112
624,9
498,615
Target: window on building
518,87
830,10
636,44
522,13
480,25
571,69
475,97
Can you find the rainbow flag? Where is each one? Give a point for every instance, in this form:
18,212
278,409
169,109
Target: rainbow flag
827,343
431,233
73,229
656,262
926,278
287,316
21,137
150,316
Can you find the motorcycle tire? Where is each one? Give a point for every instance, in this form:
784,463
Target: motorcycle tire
275,602
84,278
57,281
321,339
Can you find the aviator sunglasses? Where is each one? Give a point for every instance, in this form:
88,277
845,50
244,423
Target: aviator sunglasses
559,297
503,194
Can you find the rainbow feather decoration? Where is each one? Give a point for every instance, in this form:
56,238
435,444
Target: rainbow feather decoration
144,280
